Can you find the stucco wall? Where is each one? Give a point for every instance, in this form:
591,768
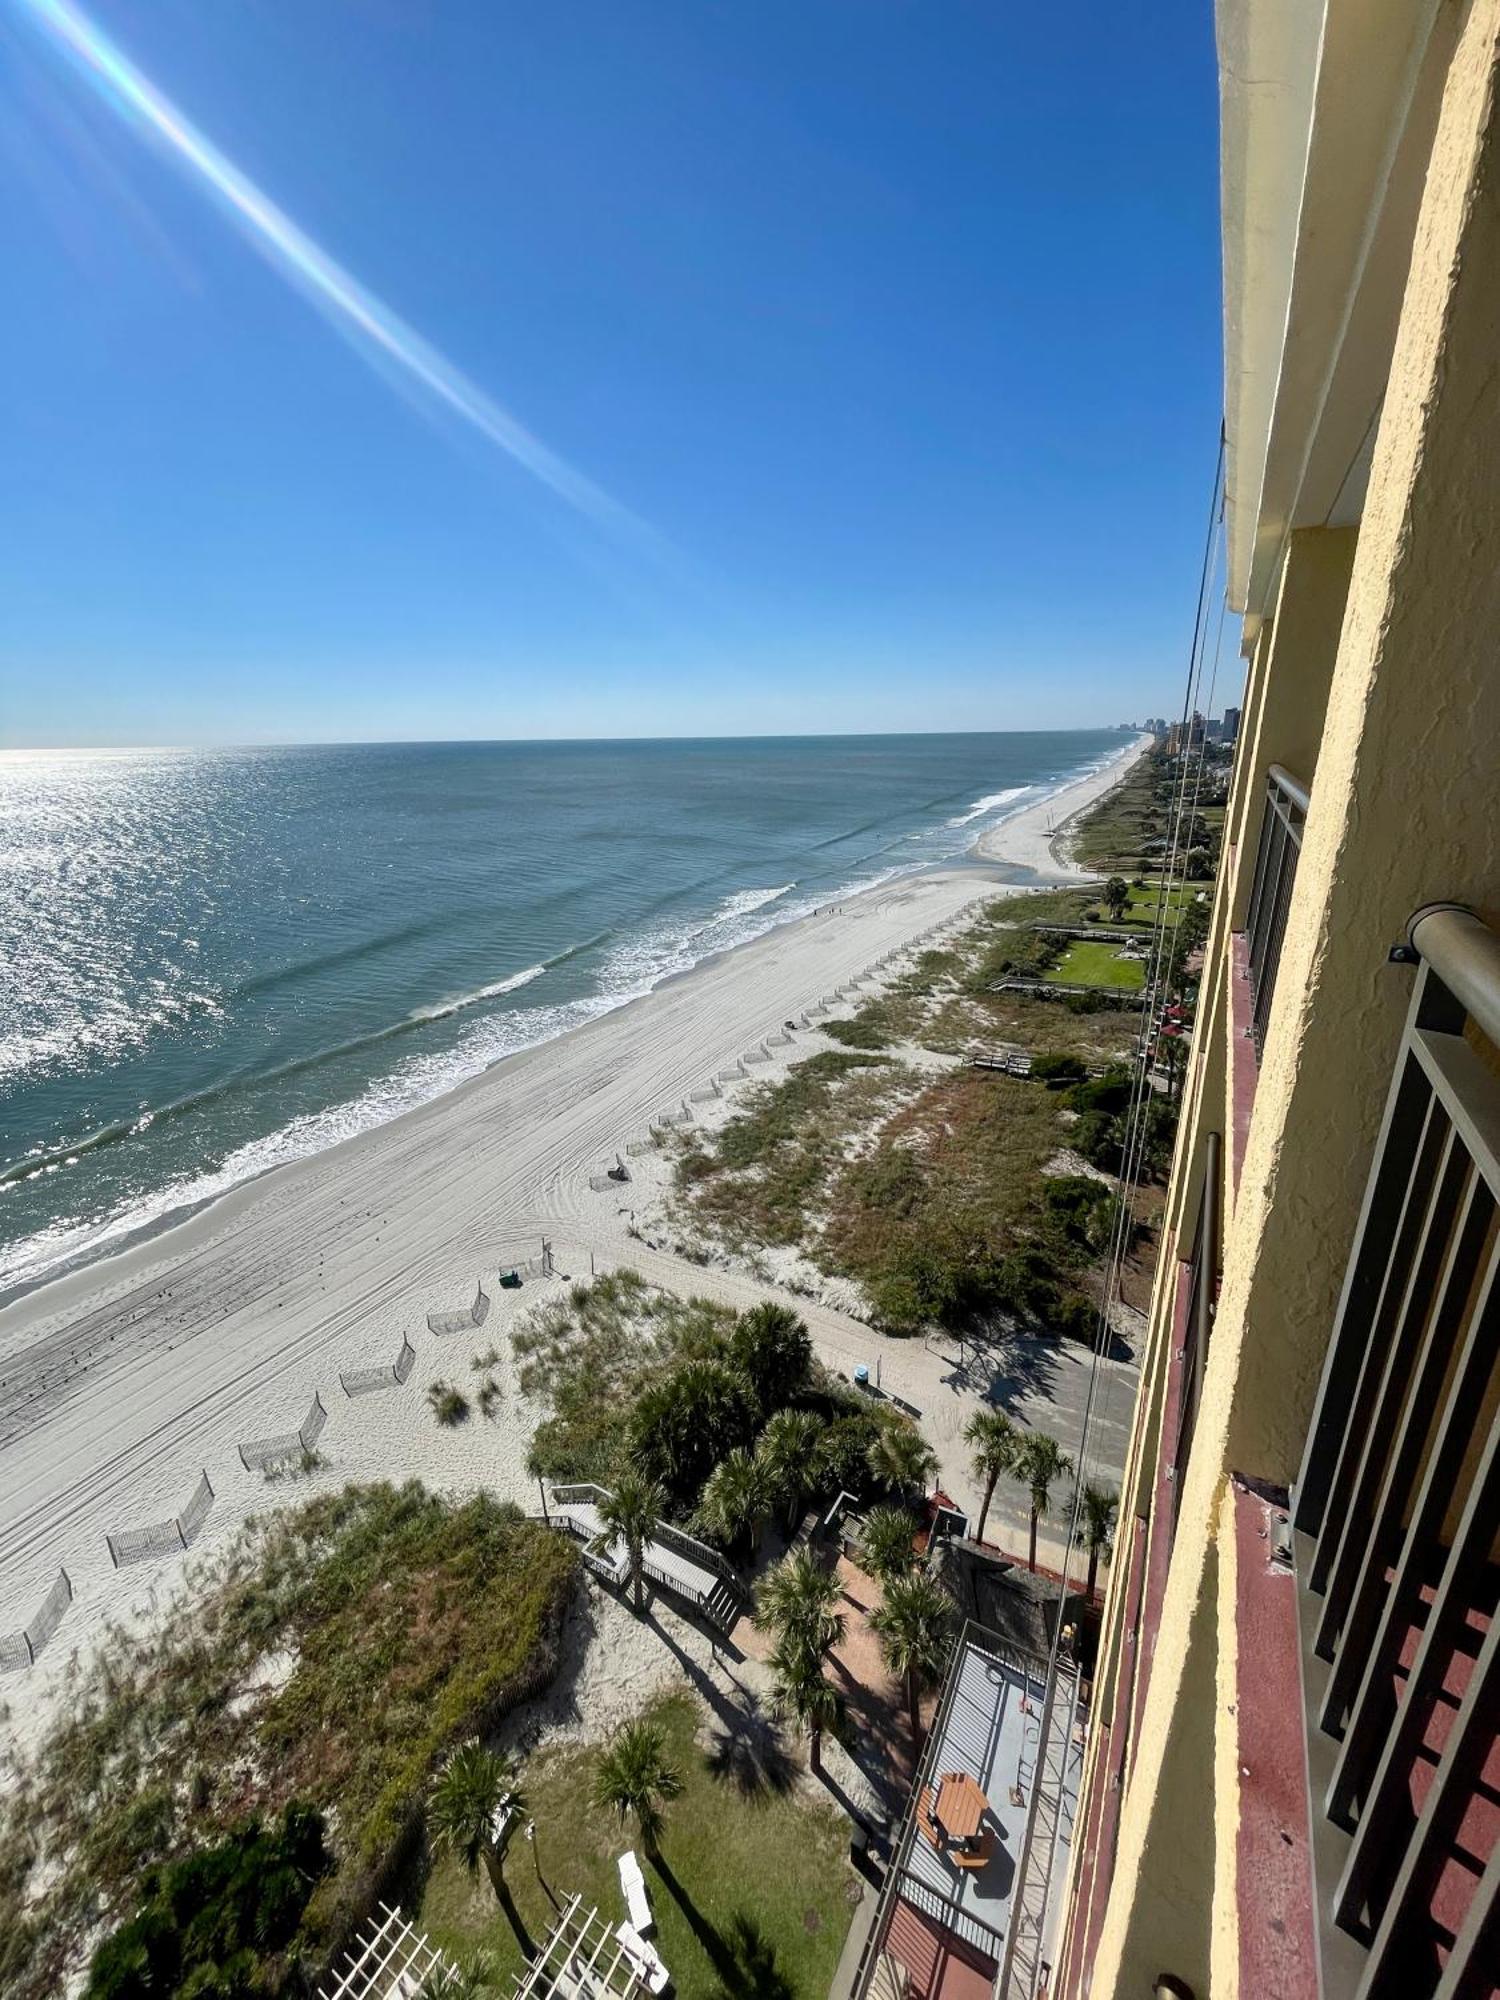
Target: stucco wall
1403,811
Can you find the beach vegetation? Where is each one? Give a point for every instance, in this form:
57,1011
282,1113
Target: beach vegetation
901,1459
687,1420
327,1662
449,1405
751,1892
859,1032
788,1448
216,1921
769,1346
1098,1509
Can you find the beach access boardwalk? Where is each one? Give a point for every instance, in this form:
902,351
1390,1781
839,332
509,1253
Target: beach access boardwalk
675,1562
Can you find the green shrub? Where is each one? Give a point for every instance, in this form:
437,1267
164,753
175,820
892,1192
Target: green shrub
858,1033
449,1405
408,1623
689,1419
1056,1070
207,1923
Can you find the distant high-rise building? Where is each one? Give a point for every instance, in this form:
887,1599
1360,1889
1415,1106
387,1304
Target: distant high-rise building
1231,724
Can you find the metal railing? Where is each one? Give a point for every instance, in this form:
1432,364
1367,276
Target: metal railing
1271,890
1396,1512
1203,1298
900,1881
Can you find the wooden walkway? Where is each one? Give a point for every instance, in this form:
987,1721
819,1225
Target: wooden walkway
672,1560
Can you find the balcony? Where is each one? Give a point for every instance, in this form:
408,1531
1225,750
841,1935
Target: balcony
1396,1516
952,1926
1271,891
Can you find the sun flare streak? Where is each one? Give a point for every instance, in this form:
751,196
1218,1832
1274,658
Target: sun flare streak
349,305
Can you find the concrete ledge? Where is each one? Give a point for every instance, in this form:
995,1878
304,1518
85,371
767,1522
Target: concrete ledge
1265,1921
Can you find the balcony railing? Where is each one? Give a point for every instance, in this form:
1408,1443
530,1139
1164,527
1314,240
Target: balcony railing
1203,1298
1397,1515
1271,890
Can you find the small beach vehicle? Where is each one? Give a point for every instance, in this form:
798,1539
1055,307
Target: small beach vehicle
510,1281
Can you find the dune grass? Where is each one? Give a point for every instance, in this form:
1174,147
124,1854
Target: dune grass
333,1657
753,1895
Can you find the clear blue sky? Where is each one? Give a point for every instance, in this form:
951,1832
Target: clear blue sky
896,325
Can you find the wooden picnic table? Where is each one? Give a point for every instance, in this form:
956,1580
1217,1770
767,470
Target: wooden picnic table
958,1807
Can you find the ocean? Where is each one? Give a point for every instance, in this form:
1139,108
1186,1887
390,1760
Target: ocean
214,962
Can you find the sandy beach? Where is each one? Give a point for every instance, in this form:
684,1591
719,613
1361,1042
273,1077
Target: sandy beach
1038,838
122,1383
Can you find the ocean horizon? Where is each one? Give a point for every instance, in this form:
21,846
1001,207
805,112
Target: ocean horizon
220,961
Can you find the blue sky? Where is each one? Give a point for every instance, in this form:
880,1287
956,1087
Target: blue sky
893,326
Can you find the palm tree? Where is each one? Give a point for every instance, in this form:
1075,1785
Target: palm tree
885,1543
996,1444
1099,1507
803,1692
1042,1460
798,1601
1116,895
788,1448
912,1625
901,1459
475,1805
738,1499
629,1514
636,1776
478,1978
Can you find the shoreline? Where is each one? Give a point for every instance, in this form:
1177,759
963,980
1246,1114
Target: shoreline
1014,848
1032,840
126,1379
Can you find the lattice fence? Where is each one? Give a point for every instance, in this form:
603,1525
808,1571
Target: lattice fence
19,1649
466,1319
163,1538
291,1444
362,1381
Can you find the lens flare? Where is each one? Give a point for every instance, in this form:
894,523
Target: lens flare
353,309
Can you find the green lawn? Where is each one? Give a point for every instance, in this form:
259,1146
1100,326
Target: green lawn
753,1898
1146,903
1086,963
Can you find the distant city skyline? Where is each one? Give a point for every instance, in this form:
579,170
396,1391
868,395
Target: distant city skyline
782,372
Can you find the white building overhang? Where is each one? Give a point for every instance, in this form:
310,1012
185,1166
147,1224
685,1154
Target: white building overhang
1327,120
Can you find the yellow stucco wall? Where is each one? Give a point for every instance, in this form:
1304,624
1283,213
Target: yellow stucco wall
1403,811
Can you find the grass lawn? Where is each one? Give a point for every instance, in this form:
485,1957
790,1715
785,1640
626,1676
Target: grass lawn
1145,904
1086,963
752,1900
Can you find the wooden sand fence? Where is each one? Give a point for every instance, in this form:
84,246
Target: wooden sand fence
20,1649
465,1319
163,1538
265,1452
363,1381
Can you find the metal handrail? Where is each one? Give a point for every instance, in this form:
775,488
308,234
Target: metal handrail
1465,954
1276,858
1397,1502
1294,788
